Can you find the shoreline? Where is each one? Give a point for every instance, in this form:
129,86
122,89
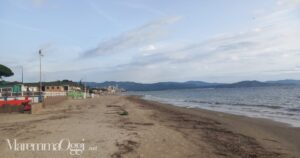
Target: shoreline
185,105
268,133
128,126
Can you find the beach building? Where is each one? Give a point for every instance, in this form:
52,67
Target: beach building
56,88
30,87
11,88
62,86
109,90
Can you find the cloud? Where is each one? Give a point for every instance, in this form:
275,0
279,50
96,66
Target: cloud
268,50
38,3
143,8
262,52
102,13
288,3
142,36
150,47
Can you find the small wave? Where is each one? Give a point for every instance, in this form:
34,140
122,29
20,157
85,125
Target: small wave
196,101
234,104
294,109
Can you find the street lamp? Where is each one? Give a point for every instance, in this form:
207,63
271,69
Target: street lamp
22,73
41,55
85,90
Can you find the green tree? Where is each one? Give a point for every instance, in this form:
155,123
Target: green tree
5,71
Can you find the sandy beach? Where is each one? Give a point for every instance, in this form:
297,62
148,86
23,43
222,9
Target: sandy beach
123,126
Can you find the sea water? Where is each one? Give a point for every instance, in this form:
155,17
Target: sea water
279,103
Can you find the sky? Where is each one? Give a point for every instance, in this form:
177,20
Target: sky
151,40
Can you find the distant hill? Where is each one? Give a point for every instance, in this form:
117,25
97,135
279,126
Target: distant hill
133,86
287,81
247,84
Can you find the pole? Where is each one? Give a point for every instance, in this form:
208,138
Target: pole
40,53
84,94
22,75
22,81
85,91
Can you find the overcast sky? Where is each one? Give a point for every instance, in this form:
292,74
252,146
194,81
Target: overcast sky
151,40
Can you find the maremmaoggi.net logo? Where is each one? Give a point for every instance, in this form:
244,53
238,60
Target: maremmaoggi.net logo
62,145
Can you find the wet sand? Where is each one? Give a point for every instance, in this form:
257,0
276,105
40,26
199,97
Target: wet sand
120,126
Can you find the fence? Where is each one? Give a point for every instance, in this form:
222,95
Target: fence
52,100
76,95
50,94
34,99
34,96
18,94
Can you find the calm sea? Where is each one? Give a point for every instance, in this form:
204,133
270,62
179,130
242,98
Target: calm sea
280,103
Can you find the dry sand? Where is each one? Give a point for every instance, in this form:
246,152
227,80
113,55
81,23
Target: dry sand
149,130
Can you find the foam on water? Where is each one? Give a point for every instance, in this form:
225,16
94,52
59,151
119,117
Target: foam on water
280,103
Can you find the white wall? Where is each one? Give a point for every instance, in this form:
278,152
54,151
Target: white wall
34,99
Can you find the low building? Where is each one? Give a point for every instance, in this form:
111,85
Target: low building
110,90
17,90
56,86
11,88
61,86
31,87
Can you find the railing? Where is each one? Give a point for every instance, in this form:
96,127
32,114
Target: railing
46,94
35,95
13,94
34,99
8,89
76,95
